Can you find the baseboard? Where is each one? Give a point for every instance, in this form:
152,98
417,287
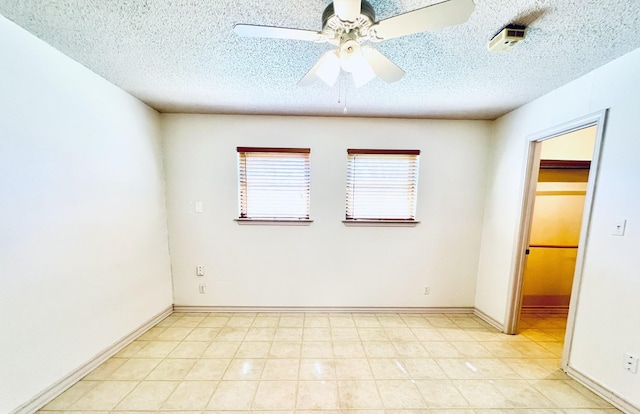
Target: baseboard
488,319
44,397
603,392
327,309
547,310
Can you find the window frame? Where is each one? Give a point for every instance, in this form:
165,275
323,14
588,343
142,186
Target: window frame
243,217
381,221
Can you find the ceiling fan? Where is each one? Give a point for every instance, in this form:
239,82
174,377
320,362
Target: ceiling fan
348,23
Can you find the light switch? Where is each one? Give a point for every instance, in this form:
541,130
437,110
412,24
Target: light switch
198,206
618,227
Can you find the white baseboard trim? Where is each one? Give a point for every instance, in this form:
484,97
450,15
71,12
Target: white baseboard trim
326,309
48,394
616,400
547,310
488,319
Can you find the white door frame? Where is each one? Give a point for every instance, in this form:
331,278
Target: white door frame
514,303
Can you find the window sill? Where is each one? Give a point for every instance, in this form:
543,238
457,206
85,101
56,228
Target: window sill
276,222
380,223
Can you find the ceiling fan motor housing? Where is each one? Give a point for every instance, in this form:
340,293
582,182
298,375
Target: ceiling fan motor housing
366,10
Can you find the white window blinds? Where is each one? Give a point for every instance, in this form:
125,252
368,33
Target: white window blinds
274,183
382,184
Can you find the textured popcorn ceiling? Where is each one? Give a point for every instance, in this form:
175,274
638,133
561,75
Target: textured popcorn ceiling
182,55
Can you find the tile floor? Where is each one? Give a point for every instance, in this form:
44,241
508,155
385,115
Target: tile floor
334,362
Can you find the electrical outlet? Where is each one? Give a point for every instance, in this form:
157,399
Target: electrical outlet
631,363
200,270
427,290
202,288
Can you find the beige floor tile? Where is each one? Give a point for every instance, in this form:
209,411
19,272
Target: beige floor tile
291,321
366,321
203,334
71,395
189,350
441,394
231,334
285,350
275,395
241,321
354,395
317,350
189,321
400,334
317,395
562,395
214,322
266,321
319,321
388,368
400,394
353,369
104,371
427,334
317,369
134,369
260,334
472,349
348,350
458,368
104,396
415,321
482,394
152,334
341,320
379,349
313,363
131,349
411,350
233,395
288,334
244,369
157,349
423,368
533,350
521,394
253,350
280,369
316,334
441,350
208,369
455,334
344,334
174,334
221,350
391,321
148,395
171,369
372,334
190,395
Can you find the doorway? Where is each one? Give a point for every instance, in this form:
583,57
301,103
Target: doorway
560,182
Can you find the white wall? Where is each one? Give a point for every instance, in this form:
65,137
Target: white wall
83,237
608,305
326,263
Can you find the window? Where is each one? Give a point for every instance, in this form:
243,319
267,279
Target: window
382,185
273,183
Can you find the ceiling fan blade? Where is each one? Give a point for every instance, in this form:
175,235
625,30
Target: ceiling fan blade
327,69
250,30
347,10
436,16
384,68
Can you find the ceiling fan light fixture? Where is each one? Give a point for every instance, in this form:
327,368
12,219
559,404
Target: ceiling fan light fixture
329,68
353,61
